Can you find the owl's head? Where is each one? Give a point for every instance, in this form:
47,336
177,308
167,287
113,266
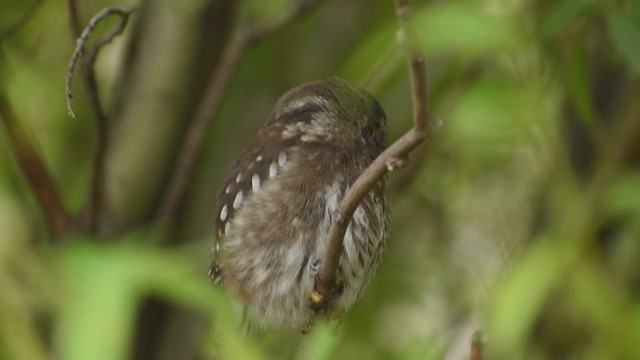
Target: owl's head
333,111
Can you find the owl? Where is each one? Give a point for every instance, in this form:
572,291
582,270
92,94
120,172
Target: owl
279,198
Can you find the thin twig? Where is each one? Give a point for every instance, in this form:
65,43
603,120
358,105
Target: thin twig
28,15
74,18
33,168
476,346
82,40
236,47
94,205
389,160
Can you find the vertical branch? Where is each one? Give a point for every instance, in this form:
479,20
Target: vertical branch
476,346
95,203
391,159
34,170
74,18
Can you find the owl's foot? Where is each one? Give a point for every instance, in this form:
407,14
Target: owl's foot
319,303
315,299
334,318
304,330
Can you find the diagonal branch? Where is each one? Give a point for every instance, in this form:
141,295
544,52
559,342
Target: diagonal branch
97,175
391,159
34,170
241,39
28,15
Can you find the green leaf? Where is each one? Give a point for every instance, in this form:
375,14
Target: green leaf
561,15
519,299
625,33
623,196
104,287
485,119
376,55
460,27
261,13
321,343
579,87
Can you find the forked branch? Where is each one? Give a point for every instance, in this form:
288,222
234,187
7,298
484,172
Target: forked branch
81,43
94,204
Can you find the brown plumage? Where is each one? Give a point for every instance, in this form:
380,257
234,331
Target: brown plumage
276,206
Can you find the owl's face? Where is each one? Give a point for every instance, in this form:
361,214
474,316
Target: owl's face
279,198
331,111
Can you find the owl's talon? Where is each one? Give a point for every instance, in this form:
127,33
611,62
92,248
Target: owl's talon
338,287
316,298
334,318
304,330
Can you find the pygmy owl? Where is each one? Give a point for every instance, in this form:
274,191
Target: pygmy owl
278,201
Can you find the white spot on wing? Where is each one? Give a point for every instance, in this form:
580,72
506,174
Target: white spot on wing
238,200
259,158
273,170
239,178
255,182
223,213
228,189
331,195
282,158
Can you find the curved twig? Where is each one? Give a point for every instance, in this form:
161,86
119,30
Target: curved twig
391,159
94,205
82,40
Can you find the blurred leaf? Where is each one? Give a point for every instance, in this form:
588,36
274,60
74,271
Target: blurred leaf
561,15
24,285
460,27
485,118
623,196
375,56
519,299
626,36
421,350
579,87
321,343
262,13
106,285
592,296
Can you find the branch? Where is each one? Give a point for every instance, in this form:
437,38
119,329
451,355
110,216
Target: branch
74,18
392,158
82,40
102,139
240,41
476,346
28,15
33,168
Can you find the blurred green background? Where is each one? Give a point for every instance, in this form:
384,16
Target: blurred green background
520,218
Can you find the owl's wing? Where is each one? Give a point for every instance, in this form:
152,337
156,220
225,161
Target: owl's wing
260,161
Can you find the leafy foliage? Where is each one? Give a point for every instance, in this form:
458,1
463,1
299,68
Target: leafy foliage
520,219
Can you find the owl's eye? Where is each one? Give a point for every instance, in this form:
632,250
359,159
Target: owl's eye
374,133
